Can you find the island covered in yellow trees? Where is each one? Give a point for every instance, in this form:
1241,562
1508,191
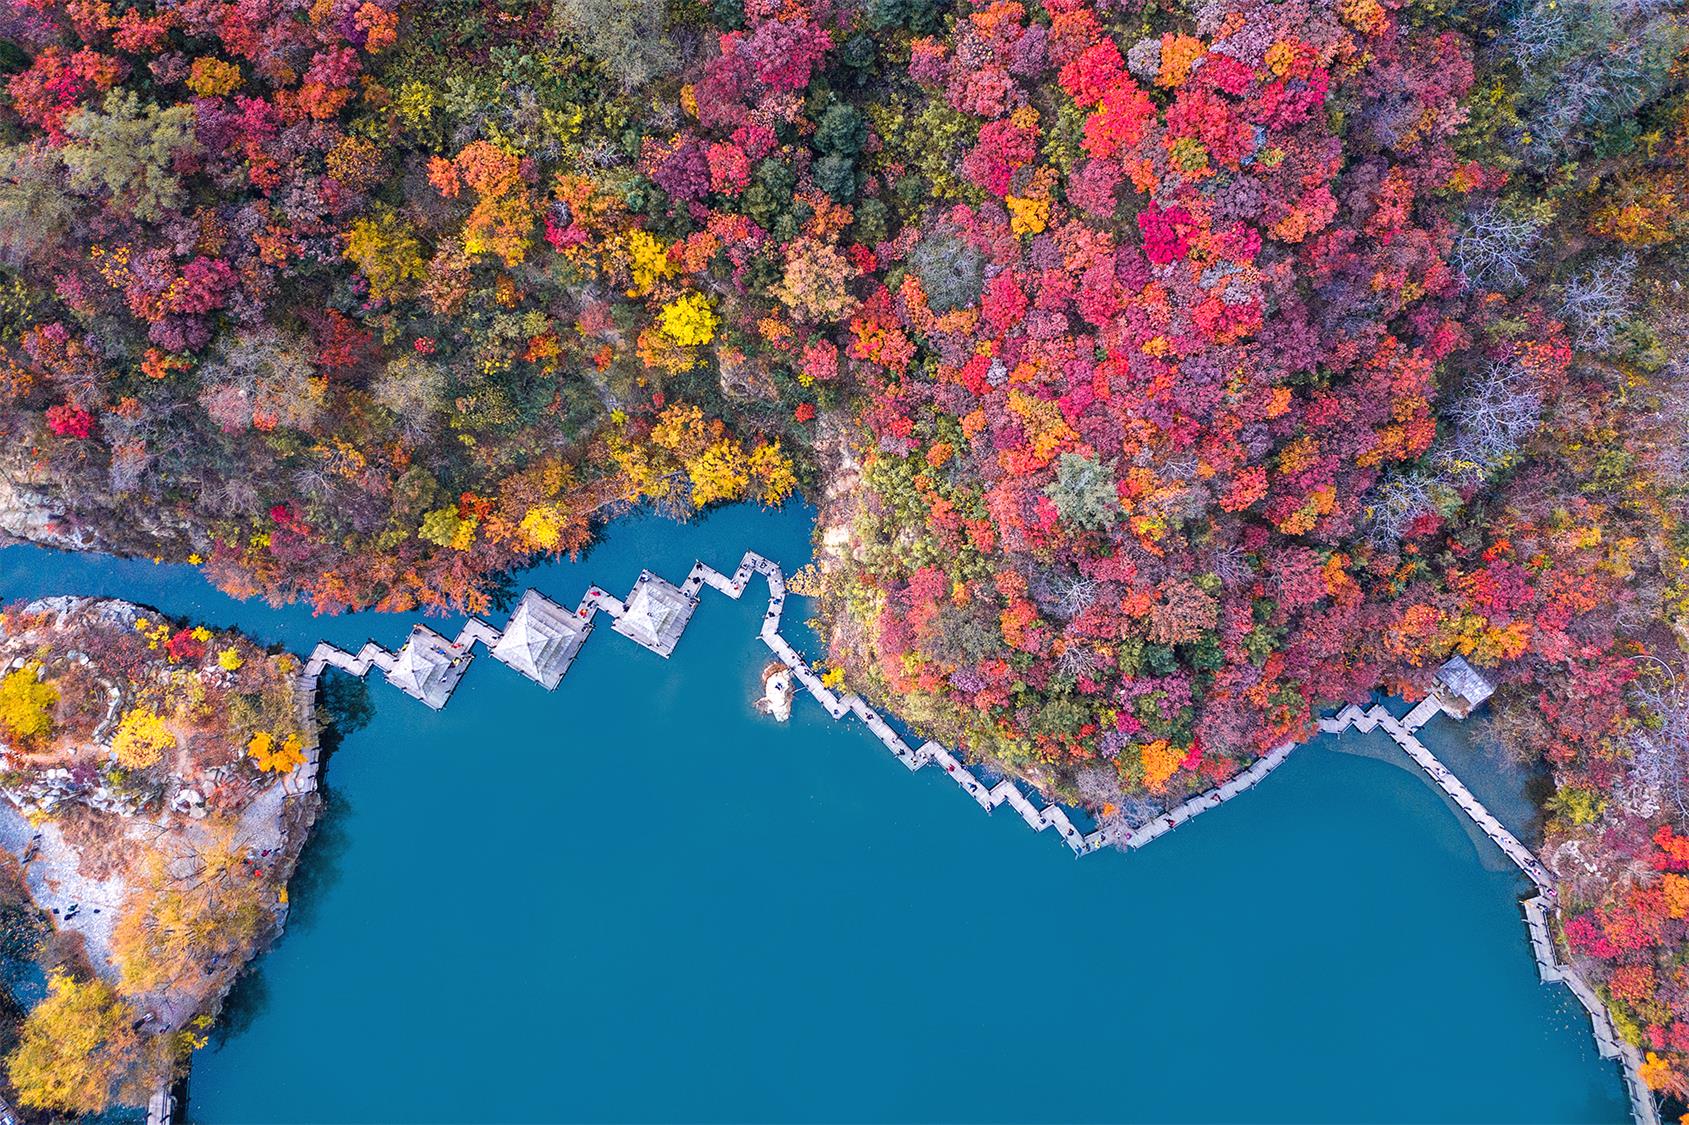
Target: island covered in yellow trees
144,766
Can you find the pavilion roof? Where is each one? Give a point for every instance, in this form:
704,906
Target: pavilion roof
416,665
522,643
1464,680
540,639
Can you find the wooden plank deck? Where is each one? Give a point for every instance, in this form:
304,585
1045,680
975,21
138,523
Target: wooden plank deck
1644,1110
1006,792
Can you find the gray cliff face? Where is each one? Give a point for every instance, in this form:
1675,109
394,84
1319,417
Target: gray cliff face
117,524
30,515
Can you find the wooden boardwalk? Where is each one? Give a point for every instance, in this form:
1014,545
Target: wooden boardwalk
428,667
161,1107
1644,1110
1401,732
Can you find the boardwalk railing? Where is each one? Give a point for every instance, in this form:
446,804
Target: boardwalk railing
655,613
1610,1045
428,667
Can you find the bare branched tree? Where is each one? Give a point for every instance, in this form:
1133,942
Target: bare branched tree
1536,34
1497,246
1493,414
1597,301
1062,592
1393,506
1077,659
130,461
1230,564
628,36
267,368
414,389
1117,812
1670,447
1097,786
1584,64
1577,94
1074,594
600,153
314,481
1659,746
232,494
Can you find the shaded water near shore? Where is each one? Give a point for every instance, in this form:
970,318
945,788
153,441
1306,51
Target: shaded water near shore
637,899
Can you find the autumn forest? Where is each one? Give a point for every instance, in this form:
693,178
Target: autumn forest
1165,372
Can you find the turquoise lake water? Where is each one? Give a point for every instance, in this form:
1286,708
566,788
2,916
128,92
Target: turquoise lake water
636,899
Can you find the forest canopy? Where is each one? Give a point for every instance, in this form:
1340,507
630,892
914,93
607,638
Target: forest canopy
1172,372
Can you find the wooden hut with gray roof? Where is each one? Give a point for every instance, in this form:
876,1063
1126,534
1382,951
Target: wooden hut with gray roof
656,613
1460,688
541,639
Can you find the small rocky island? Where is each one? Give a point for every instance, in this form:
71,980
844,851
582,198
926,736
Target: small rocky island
147,834
777,691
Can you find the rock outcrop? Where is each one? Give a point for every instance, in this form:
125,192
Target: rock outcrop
777,691
141,766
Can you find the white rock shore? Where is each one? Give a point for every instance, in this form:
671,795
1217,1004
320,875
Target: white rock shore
777,692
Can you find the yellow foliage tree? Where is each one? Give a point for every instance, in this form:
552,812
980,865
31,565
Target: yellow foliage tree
1658,1074
1161,761
543,526
720,472
26,703
142,739
449,528
75,1048
681,430
415,102
1027,215
273,757
648,261
212,78
688,320
173,927
386,252
659,353
1676,888
1486,645
503,215
643,476
500,224
772,470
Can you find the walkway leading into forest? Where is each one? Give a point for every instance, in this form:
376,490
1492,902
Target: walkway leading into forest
161,1107
542,637
1643,1108
428,667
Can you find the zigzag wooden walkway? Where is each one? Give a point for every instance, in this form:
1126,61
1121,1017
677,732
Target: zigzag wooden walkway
425,644
1401,731
444,662
1608,1043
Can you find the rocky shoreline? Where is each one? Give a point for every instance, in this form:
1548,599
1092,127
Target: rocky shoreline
146,817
